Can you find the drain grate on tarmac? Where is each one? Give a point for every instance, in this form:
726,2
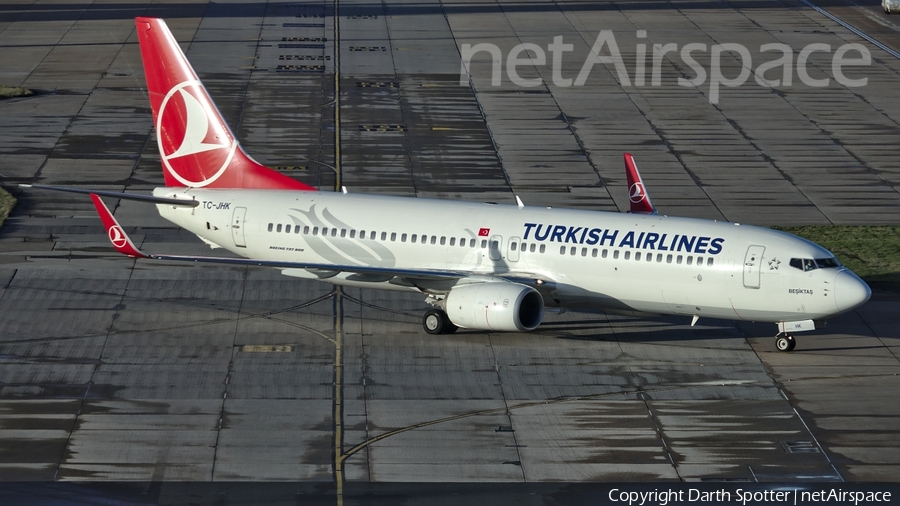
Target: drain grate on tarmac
304,39
300,68
305,57
383,84
301,46
382,128
799,447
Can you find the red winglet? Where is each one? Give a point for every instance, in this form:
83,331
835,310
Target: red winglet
637,193
117,236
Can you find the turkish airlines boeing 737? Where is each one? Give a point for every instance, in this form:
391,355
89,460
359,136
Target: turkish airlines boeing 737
481,266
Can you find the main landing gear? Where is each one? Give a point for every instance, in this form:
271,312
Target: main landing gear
436,321
785,342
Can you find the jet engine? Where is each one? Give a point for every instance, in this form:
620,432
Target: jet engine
495,306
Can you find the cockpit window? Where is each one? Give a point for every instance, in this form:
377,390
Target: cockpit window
809,264
825,263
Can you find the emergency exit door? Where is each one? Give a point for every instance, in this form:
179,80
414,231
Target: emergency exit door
751,266
237,226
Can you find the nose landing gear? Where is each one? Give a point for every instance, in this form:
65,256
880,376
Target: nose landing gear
785,342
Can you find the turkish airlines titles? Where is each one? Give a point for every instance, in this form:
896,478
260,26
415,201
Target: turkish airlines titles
636,240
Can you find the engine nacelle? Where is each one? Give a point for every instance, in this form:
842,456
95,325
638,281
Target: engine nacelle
495,306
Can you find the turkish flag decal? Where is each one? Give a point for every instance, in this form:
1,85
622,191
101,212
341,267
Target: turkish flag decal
484,232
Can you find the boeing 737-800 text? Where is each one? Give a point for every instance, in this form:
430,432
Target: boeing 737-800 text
480,265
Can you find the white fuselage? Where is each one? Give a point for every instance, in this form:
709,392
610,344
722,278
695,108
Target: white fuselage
626,263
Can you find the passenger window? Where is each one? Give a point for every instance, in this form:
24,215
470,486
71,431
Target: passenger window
513,246
471,243
443,240
678,259
343,232
353,234
562,250
403,237
297,229
690,260
270,227
414,238
543,247
637,256
315,230
383,236
334,232
605,253
659,257
594,252
531,248
425,239
709,262
393,236
278,228
483,243
453,241
700,261
306,230
287,229
627,255
616,255
324,231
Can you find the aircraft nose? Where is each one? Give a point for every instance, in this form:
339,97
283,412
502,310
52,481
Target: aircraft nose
850,291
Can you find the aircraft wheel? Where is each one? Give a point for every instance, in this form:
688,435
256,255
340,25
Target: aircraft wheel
785,343
435,321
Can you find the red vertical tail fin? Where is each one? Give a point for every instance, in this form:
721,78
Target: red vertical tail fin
637,193
195,144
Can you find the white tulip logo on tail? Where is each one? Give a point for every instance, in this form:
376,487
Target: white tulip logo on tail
194,144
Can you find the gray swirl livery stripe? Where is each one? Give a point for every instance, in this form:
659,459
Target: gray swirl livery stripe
853,29
373,253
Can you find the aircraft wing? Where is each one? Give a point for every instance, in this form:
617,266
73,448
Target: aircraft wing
123,244
415,277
